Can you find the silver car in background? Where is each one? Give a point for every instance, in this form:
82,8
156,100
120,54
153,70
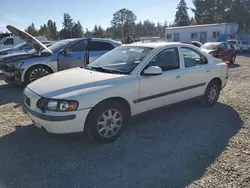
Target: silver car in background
62,55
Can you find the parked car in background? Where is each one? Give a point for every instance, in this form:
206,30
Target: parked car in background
221,50
240,45
126,81
62,55
23,47
10,42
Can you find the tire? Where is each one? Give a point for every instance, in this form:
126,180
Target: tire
39,71
232,60
212,93
101,124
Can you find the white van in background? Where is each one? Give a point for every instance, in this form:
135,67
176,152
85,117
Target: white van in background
240,45
10,42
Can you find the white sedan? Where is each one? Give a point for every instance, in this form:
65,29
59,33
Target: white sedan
128,80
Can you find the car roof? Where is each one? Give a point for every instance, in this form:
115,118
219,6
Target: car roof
157,44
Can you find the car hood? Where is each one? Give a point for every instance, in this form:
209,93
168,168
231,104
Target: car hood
32,41
11,58
71,82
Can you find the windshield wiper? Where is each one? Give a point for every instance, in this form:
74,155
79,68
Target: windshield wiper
102,69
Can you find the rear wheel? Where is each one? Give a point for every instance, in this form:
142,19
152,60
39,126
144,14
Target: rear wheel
35,73
106,122
212,93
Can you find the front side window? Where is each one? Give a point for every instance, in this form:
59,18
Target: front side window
122,59
9,41
79,46
99,46
228,46
167,60
192,57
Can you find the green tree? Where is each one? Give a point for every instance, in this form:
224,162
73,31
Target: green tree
32,30
52,30
43,31
77,30
67,23
122,17
181,16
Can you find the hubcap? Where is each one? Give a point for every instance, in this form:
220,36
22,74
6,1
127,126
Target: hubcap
213,94
38,73
109,123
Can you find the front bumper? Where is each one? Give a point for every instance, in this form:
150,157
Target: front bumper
54,122
12,75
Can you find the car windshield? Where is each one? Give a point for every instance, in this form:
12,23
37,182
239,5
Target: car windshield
210,46
123,59
33,51
58,46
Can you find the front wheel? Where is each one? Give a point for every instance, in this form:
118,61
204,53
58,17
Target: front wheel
232,60
106,121
35,73
212,94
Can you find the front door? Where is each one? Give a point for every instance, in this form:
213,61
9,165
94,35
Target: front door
73,56
160,90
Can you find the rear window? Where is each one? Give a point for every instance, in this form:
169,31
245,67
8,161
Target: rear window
9,41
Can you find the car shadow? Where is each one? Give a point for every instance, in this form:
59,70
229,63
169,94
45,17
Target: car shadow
232,66
167,147
11,93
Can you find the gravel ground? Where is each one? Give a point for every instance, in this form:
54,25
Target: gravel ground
185,145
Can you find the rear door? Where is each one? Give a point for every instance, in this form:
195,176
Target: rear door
74,56
98,48
196,72
230,52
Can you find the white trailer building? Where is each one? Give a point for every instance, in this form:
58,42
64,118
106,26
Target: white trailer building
202,33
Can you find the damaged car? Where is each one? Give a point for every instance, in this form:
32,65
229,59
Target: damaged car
62,55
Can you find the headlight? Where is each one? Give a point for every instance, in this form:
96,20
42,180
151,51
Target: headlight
57,105
16,65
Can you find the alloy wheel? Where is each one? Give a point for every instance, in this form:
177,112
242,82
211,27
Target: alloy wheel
38,73
213,94
109,123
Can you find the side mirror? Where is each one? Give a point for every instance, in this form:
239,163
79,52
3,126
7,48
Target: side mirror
152,71
63,52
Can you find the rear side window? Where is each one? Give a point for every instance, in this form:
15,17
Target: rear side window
100,46
193,58
78,46
9,41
